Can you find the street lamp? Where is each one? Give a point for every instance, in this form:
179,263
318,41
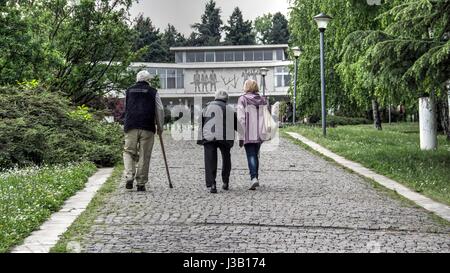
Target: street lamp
448,95
297,52
322,21
264,72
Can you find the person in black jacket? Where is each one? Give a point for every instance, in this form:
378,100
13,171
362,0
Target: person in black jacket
218,126
144,116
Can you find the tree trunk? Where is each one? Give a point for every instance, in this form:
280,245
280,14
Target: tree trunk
443,116
376,115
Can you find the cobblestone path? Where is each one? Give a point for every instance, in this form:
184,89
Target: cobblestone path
304,204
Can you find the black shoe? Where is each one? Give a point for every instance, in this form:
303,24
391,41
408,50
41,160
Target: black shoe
129,185
141,188
226,186
213,189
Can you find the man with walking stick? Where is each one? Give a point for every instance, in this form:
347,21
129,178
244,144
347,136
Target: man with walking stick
144,116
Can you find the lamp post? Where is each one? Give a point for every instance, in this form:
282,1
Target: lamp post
322,21
264,72
297,52
448,96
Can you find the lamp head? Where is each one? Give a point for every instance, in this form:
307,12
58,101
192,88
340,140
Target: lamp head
264,71
322,21
297,51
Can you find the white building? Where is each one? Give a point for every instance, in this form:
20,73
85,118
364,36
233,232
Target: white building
200,71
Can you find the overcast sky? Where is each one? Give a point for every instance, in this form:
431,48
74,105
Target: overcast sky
183,13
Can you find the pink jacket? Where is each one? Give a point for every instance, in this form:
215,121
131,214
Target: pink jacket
251,117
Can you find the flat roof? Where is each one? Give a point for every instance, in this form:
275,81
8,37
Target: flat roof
240,47
224,65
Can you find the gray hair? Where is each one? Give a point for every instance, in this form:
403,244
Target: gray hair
221,95
143,76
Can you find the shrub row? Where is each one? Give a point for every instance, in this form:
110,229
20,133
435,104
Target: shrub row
37,127
334,121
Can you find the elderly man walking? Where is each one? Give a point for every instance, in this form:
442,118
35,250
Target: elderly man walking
144,116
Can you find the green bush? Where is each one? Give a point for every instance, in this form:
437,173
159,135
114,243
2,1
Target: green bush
29,196
334,121
37,127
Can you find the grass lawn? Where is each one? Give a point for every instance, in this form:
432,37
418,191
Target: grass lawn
393,152
29,196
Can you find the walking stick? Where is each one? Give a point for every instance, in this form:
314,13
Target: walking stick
165,161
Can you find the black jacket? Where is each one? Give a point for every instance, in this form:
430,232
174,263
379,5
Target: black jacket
140,107
218,124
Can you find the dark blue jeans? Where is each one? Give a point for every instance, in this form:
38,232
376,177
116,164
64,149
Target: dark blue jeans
252,151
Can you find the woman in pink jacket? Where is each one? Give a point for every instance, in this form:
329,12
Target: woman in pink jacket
251,118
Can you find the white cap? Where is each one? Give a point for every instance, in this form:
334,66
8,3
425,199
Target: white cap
221,95
143,76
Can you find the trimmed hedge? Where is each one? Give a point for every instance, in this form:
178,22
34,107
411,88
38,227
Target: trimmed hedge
334,121
29,196
37,127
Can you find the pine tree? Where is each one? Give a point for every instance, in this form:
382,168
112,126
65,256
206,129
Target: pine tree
171,38
238,31
209,30
150,39
279,33
263,27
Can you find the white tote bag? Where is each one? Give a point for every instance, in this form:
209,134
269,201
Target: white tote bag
270,127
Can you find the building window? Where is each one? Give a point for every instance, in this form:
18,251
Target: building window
249,56
200,57
180,79
268,55
229,56
259,55
162,73
239,56
280,55
152,71
179,57
171,79
190,57
220,56
209,57
282,77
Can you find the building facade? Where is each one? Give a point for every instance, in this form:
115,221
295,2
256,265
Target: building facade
201,71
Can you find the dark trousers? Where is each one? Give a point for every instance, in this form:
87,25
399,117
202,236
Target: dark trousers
252,151
211,162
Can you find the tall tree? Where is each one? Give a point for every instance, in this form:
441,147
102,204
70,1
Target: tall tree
410,55
149,40
96,41
349,16
238,31
171,38
209,30
263,27
25,55
279,34
79,48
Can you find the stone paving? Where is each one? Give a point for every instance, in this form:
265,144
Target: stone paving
304,204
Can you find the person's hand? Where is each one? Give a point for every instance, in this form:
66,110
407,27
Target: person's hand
160,131
241,143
